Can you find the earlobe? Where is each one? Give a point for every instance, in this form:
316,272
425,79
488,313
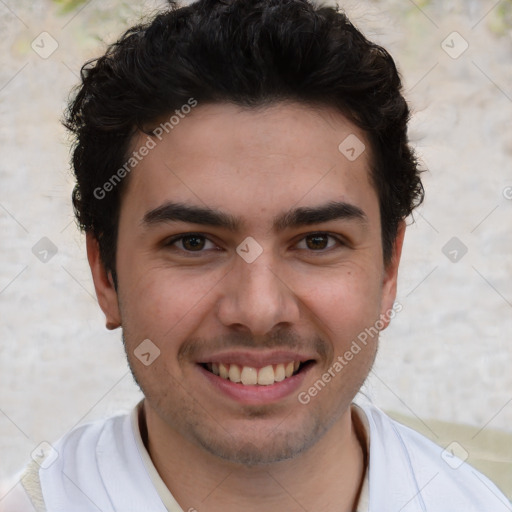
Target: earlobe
103,284
391,276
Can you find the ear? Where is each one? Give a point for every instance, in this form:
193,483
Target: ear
390,277
103,284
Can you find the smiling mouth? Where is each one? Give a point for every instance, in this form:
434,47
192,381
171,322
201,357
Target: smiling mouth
250,376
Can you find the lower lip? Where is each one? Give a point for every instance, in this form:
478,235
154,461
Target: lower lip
254,395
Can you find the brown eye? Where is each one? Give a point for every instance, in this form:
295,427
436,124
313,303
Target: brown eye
316,242
193,242
319,242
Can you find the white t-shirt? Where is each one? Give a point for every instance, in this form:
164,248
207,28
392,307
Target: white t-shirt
105,466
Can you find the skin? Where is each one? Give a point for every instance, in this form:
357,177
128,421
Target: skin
212,452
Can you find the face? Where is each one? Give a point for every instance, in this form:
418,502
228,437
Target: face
249,249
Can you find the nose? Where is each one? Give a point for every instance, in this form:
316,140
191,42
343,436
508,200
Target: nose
257,298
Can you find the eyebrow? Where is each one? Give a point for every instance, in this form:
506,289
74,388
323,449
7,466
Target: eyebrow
297,217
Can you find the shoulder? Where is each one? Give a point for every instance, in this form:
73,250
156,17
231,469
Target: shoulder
420,475
89,434
22,493
56,464
76,471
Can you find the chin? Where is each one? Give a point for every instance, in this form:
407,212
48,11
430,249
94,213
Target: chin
266,446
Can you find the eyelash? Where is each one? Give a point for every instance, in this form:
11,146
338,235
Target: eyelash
170,242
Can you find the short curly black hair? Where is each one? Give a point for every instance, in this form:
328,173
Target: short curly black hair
250,54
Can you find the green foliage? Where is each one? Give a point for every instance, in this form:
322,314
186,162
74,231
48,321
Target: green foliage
503,21
69,5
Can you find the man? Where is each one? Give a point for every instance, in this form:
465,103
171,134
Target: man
243,179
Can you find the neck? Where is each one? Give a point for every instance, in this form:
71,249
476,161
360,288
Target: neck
327,477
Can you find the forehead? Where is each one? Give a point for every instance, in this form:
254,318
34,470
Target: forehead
252,160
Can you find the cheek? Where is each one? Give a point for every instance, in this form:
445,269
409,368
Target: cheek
161,304
163,310
345,308
341,297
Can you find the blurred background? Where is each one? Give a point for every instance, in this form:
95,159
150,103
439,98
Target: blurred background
443,365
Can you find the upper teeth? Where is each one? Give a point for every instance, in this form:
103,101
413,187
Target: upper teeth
250,376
